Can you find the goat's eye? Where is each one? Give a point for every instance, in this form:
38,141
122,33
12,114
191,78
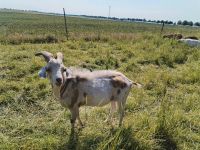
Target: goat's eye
64,69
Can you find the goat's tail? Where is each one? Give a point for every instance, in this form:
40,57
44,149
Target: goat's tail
135,84
132,83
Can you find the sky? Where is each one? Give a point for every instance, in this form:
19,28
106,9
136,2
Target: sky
173,10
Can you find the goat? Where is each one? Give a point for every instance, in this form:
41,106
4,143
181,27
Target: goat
173,36
76,88
191,37
191,42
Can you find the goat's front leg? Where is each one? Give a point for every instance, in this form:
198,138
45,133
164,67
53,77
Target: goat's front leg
80,122
79,119
75,114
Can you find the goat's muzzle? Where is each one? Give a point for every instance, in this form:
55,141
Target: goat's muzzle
59,81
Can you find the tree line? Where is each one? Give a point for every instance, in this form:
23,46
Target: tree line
185,22
188,23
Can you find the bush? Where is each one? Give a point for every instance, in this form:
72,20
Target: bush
22,38
45,39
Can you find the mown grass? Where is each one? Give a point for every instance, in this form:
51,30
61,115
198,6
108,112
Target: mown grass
164,114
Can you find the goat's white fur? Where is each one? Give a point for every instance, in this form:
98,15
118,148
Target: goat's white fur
191,42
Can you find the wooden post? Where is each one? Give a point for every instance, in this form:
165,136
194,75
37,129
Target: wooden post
65,24
162,27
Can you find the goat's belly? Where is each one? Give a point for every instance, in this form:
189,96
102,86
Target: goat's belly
92,102
98,92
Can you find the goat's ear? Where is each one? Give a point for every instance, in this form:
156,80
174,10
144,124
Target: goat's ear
59,56
42,73
68,73
47,56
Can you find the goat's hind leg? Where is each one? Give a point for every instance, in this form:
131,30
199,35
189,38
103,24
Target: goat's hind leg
112,109
121,106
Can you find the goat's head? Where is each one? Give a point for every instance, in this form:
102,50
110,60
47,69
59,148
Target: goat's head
54,68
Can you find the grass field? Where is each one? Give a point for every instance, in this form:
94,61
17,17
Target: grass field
163,115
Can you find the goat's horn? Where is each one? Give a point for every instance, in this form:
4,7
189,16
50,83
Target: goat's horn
60,56
47,56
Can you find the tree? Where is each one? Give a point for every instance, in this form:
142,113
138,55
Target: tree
190,23
158,21
179,22
185,22
170,22
197,24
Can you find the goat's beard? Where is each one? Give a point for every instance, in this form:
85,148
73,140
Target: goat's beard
57,88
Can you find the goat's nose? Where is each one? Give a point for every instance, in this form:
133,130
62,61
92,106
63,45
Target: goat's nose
59,80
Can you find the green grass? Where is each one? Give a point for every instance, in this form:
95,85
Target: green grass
164,114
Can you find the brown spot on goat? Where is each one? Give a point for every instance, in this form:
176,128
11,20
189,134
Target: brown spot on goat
81,79
83,102
118,82
74,98
64,87
118,91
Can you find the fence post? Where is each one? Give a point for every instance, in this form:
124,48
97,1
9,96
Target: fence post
66,30
163,24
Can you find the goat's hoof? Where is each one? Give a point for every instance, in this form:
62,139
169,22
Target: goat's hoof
120,125
72,130
82,126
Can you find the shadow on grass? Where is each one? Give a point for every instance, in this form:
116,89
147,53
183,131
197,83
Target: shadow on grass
72,143
121,138
165,140
115,139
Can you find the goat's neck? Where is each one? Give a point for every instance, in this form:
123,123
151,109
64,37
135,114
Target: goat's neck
56,89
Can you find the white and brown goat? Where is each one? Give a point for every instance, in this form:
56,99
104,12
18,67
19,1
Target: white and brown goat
75,88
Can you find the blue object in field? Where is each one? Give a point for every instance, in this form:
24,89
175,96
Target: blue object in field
42,73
